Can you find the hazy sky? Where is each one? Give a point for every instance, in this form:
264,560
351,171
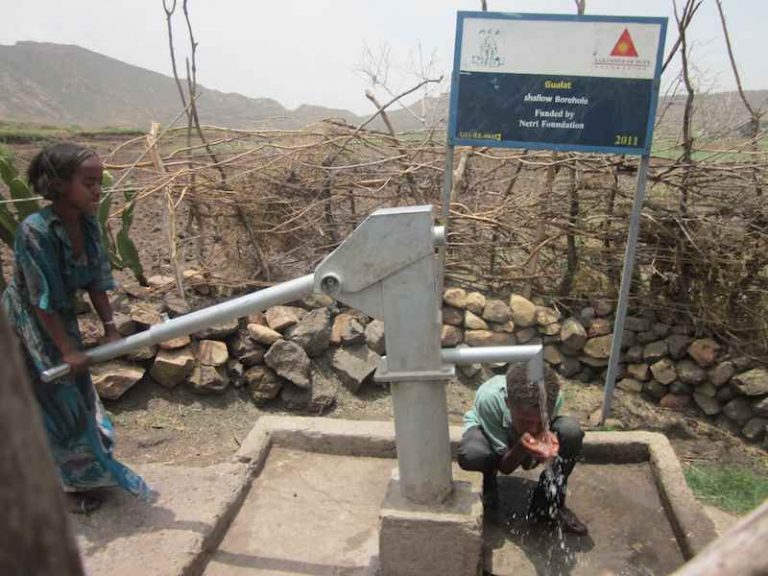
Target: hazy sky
310,51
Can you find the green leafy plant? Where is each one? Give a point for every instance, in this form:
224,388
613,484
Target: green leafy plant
121,249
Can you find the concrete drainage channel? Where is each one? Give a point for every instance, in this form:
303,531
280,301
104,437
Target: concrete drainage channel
311,495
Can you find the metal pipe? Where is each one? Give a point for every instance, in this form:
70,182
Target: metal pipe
489,354
626,281
196,321
438,235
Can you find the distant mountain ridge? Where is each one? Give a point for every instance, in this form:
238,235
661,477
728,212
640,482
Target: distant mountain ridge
62,84
65,85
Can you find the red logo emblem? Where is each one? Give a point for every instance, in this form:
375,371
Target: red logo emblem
624,48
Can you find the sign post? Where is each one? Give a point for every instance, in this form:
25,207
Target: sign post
566,83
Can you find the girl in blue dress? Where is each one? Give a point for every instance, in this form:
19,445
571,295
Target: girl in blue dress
57,252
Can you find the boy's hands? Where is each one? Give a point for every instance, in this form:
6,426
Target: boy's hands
542,447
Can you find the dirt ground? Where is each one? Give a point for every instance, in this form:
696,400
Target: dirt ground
177,426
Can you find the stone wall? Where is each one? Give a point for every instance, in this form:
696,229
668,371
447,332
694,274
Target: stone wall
302,354
665,363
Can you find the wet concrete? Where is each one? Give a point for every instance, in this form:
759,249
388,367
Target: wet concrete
629,532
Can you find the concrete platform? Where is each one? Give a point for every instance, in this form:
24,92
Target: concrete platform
629,532
170,536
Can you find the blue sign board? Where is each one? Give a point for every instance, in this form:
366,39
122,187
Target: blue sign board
543,81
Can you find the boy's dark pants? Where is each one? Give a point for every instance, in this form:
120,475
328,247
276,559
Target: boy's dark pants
476,454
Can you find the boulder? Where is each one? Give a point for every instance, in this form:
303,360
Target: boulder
638,371
488,338
208,379
678,346
354,365
313,332
707,389
212,353
602,306
569,367
754,429
263,334
546,316
325,386
290,361
644,338
508,327
586,315
256,318
455,297
752,383
219,331
552,355
145,314
450,336
453,316
522,310
683,329
721,374
295,398
634,354
176,343
262,383
113,379
708,405
347,330
573,335
374,337
630,385
742,363
124,324
496,311
664,371
172,367
655,351
526,334
637,324
599,347
655,389
594,362
738,410
281,317
475,303
551,330
704,351
474,322
661,330
725,394
599,327
676,402
145,354
628,339
690,372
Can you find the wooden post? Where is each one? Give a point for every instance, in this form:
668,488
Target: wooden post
36,536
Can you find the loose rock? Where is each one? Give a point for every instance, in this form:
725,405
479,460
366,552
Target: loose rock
219,331
313,332
475,303
634,354
281,317
637,324
602,306
760,407
354,365
722,373
638,371
236,372
523,336
176,343
145,354
295,398
453,316
208,379
655,351
552,355
599,327
708,405
569,367
212,353
707,389
114,379
290,361
262,383
573,335
456,297
374,336
325,386
551,330
628,339
318,301
171,368
522,310
630,385
473,322
678,345
704,351
754,430
678,387
497,311
646,337
725,394
738,410
675,402
145,314
488,338
661,330
450,336
599,347
245,350
263,334
175,305
664,371
690,373
124,324
752,383
655,389
546,316
348,330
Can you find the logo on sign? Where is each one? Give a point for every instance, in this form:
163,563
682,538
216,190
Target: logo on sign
488,54
623,56
624,48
